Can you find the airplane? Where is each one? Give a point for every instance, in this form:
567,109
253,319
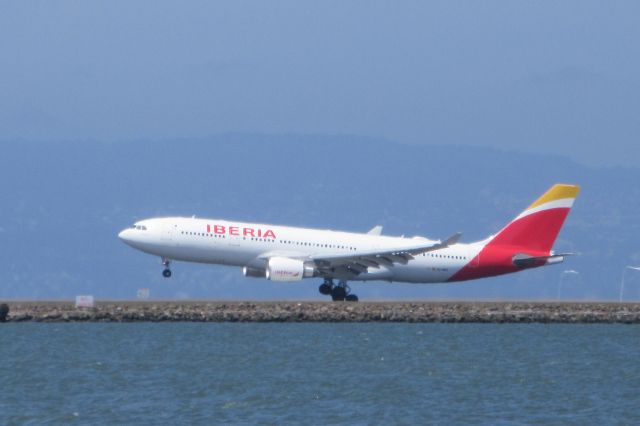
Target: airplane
283,253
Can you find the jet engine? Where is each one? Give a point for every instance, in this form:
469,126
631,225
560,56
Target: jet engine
248,271
287,269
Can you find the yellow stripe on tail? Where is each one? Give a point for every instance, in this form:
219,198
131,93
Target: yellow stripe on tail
558,191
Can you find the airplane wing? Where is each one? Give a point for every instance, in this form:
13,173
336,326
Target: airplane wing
358,263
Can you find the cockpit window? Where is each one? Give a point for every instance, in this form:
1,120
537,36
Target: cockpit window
139,227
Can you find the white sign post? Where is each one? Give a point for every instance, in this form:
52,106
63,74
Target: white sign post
84,301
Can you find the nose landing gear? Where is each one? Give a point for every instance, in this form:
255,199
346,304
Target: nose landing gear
339,292
166,272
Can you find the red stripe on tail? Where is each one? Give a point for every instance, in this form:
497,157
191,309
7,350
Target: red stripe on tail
533,234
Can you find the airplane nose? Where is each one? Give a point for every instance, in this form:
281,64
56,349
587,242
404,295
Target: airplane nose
125,235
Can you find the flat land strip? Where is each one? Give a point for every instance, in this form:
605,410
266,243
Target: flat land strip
305,311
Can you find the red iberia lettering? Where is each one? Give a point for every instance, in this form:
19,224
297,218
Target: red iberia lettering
238,231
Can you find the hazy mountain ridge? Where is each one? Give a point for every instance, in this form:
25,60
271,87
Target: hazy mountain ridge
65,202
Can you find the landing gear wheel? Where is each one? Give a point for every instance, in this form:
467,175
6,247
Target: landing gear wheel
325,289
338,293
167,272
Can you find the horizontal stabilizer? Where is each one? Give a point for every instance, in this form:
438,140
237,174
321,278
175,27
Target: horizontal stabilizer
523,260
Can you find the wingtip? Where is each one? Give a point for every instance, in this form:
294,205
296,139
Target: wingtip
453,239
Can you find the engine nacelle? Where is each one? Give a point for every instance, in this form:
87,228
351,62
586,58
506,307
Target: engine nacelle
248,271
287,269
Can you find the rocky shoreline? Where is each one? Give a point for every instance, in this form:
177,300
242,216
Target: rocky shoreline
305,311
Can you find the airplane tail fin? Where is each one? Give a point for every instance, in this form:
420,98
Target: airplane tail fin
537,227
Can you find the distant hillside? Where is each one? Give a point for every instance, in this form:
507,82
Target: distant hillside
64,203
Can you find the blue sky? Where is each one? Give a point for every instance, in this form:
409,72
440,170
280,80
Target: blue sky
547,77
179,85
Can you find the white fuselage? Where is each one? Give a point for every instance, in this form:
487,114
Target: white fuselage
243,244
284,253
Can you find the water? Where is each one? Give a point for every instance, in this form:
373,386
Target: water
183,373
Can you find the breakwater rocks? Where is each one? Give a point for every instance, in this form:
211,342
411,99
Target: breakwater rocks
422,311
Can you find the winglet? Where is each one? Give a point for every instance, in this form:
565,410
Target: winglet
446,243
452,239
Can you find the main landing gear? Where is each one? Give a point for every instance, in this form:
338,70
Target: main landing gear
166,272
339,292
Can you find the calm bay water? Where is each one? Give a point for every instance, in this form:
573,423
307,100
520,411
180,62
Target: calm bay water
185,373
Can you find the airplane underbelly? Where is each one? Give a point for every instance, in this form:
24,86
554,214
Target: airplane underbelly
423,275
413,273
198,253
